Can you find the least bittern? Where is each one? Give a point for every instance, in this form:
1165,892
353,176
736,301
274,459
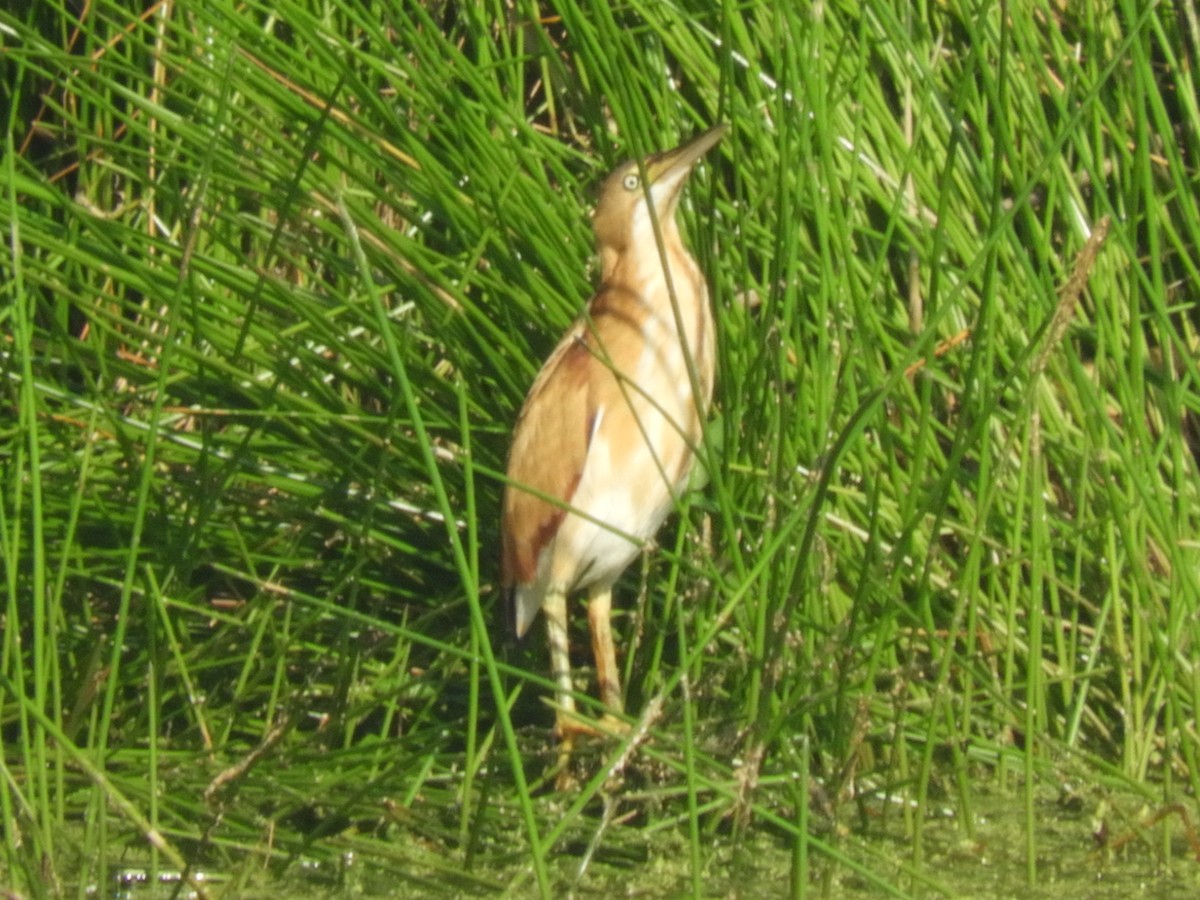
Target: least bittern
606,439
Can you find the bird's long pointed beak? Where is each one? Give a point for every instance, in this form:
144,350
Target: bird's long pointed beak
683,157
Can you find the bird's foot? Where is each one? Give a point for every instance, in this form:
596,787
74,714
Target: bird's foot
611,725
569,726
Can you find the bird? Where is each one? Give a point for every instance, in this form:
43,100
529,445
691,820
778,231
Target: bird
606,438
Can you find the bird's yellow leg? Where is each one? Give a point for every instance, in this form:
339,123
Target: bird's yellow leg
567,722
554,608
607,674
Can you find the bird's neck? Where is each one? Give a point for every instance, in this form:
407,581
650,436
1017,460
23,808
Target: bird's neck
638,268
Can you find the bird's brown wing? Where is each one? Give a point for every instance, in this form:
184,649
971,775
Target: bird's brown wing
554,430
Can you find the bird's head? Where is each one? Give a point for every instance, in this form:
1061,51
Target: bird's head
622,218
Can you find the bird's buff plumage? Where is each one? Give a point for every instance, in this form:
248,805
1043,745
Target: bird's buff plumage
604,442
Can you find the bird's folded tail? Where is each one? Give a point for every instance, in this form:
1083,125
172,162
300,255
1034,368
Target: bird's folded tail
524,602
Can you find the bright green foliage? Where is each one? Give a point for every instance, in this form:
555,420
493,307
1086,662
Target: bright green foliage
276,277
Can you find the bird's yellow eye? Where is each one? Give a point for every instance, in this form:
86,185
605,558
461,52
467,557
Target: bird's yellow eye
631,182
